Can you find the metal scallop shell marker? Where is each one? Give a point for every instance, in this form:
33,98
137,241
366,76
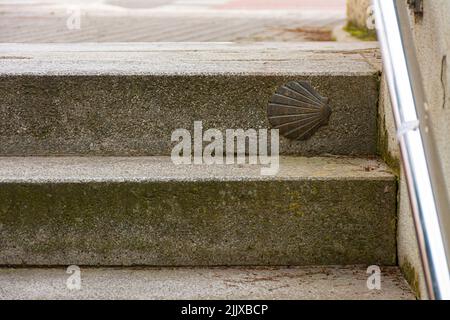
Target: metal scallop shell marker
297,110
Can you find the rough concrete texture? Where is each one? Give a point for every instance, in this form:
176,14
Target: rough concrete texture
120,169
128,99
316,211
431,33
197,283
187,58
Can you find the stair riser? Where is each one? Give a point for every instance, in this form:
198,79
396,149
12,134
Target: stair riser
136,115
183,223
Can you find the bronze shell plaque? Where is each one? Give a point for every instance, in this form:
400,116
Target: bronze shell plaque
297,110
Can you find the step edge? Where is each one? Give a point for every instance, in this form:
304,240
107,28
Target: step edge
149,170
193,59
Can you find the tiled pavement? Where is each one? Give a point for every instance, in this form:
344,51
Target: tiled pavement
168,20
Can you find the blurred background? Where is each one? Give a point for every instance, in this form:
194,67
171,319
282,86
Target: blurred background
37,21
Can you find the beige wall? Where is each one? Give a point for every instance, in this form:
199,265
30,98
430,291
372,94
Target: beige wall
432,40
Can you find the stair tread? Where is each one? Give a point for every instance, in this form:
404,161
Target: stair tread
116,169
347,282
316,58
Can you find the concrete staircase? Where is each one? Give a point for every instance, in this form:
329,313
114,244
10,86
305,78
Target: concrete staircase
86,178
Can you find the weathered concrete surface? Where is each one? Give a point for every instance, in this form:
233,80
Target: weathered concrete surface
198,283
128,99
137,169
146,211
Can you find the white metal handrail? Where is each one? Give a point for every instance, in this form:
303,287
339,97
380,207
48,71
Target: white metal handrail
424,176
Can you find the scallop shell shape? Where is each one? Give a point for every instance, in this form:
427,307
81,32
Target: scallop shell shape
297,110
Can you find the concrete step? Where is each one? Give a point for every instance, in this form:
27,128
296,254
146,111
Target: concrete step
127,99
147,211
204,283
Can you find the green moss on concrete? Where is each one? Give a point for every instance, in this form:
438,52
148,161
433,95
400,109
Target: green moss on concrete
363,34
411,277
383,150
199,223
383,144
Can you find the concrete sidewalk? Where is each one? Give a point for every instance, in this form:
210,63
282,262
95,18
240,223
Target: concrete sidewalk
168,20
